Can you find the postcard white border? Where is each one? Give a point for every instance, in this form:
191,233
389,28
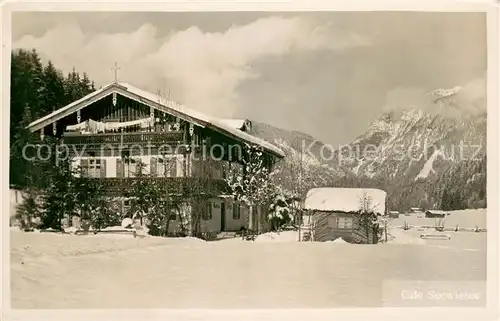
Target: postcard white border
491,8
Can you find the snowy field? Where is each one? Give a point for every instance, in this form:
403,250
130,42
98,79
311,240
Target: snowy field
464,241
275,271
464,218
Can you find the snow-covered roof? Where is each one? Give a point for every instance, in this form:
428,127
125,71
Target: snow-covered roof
172,104
235,123
70,106
344,199
436,212
124,88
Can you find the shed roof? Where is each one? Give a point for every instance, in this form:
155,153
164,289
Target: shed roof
346,200
436,212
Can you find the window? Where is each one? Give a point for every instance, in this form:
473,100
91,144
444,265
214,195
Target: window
217,169
344,222
160,169
163,166
91,167
126,205
236,211
207,211
167,167
130,167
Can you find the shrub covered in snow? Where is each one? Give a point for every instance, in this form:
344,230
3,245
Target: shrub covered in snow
252,184
281,210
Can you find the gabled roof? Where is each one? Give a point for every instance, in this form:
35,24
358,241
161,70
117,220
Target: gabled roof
347,200
165,105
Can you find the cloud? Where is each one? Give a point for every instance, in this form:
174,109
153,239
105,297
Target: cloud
202,69
470,100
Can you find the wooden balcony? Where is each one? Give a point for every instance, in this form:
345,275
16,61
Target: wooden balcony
154,138
189,186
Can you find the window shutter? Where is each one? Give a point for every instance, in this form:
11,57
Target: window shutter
218,170
204,211
153,165
138,164
103,168
236,211
209,210
119,167
173,167
194,168
84,164
182,167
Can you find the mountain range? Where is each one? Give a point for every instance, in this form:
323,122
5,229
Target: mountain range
431,154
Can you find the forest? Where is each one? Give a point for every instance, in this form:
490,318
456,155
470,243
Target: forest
461,186
36,89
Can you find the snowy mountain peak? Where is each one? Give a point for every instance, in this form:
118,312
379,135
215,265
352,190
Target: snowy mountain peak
442,93
413,114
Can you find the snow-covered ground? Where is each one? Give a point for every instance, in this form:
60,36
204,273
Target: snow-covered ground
460,241
462,218
62,271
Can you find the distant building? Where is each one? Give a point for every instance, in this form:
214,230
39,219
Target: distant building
394,214
331,213
435,214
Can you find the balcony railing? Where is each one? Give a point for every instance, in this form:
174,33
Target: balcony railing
188,186
173,137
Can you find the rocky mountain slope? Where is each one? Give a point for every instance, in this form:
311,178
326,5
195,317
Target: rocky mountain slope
300,170
430,154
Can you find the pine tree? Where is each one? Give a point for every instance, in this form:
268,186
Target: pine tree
92,205
86,85
28,212
20,154
59,197
54,83
43,89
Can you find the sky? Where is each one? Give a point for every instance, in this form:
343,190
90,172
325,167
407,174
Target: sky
327,74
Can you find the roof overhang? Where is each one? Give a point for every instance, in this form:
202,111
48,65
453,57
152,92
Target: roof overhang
135,94
100,94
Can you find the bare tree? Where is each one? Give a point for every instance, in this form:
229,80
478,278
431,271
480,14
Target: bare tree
152,200
252,183
366,216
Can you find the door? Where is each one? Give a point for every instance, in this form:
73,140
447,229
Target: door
222,216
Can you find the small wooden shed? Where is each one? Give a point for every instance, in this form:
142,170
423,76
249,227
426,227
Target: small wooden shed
337,212
393,214
435,214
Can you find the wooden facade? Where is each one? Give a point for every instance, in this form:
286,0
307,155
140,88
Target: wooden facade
328,226
117,132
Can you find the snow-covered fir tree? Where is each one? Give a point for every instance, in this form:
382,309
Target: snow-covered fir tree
252,182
